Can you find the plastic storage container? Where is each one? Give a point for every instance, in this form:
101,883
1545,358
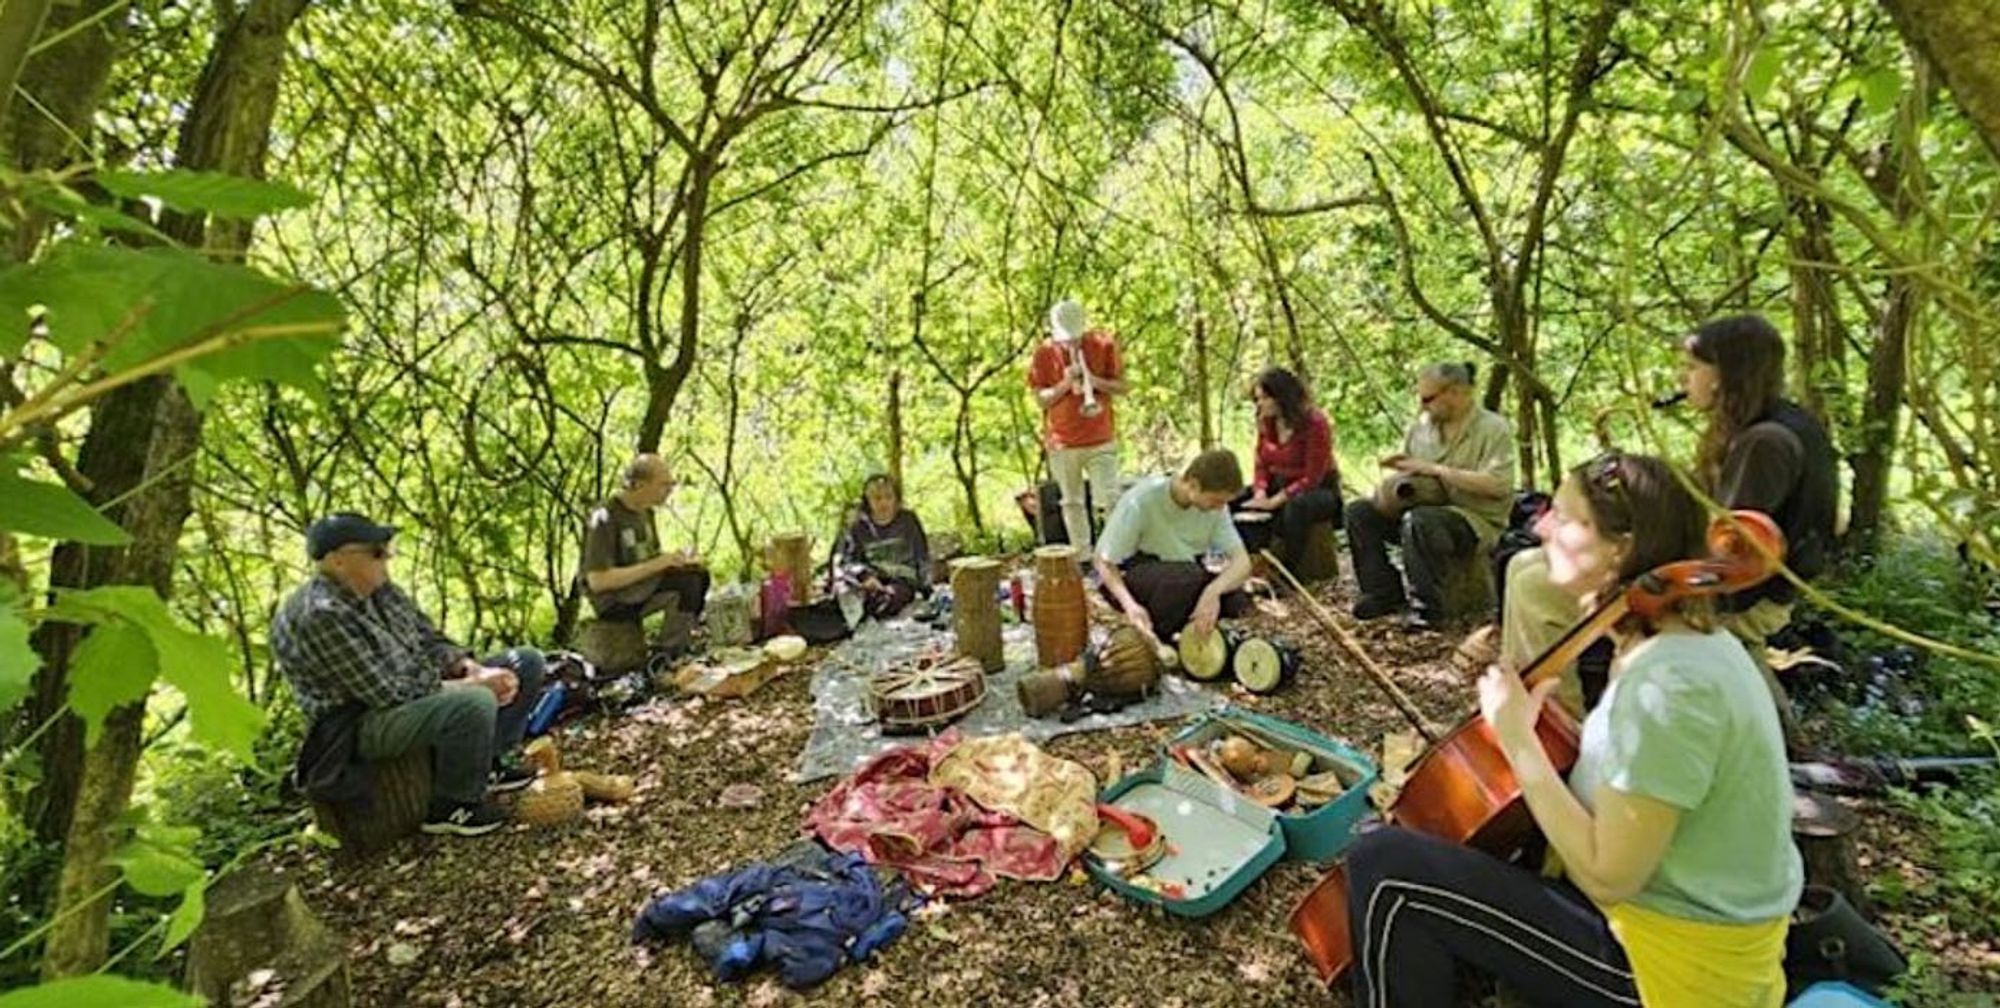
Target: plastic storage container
1320,834
1218,841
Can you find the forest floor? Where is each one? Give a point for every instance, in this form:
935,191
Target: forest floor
541,917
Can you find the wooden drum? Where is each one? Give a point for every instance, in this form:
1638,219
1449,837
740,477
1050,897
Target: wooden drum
975,610
1125,665
1061,613
917,695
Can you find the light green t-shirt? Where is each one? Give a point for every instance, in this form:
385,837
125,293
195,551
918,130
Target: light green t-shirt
1688,721
1485,444
1147,520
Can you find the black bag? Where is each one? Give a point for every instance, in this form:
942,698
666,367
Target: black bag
1829,940
822,622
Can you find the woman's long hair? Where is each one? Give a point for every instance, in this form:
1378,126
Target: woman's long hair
1289,393
1749,356
1639,497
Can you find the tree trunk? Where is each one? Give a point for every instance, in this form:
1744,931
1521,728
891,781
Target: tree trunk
228,129
1959,38
895,463
663,385
20,25
1201,382
68,81
1904,180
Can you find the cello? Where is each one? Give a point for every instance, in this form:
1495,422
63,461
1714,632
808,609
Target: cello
1463,789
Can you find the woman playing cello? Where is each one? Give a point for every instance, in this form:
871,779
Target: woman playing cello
1672,830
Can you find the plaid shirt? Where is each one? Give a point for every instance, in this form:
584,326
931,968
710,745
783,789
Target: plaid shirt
335,647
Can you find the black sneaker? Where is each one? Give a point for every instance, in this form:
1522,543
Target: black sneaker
1368,607
506,778
467,819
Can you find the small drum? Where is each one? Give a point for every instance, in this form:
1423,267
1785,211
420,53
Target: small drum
929,691
1403,491
1263,664
1205,656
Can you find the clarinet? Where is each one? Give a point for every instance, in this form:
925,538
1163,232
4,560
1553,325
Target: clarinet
1090,404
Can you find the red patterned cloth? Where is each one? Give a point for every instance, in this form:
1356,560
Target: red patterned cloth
941,840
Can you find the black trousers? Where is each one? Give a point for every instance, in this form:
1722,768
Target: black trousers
1168,590
1419,907
691,587
1433,539
1289,526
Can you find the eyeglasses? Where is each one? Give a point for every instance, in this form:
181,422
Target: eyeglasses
1426,400
379,551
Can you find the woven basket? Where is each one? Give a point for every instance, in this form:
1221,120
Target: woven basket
556,798
605,787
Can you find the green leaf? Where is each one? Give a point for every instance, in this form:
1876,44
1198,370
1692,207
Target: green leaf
196,665
1879,89
154,871
18,661
53,511
114,666
205,192
65,203
186,917
101,991
168,299
1763,71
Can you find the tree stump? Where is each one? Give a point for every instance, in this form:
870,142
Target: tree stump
615,648
259,943
1823,830
402,797
1468,591
975,610
1320,561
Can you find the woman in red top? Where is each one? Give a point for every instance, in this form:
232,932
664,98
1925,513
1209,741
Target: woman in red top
1295,474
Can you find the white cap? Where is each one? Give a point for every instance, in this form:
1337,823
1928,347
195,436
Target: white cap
1066,321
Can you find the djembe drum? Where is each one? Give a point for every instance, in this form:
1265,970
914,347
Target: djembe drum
1124,667
1403,491
1061,613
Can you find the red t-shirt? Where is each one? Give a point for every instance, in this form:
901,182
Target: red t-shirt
1299,464
1064,424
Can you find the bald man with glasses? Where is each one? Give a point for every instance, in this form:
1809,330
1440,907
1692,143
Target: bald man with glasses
1468,451
626,575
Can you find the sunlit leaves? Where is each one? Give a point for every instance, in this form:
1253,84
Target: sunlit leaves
18,661
101,991
207,192
52,511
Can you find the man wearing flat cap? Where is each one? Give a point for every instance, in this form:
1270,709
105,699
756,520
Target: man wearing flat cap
349,641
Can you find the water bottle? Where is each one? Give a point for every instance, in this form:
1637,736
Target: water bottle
542,716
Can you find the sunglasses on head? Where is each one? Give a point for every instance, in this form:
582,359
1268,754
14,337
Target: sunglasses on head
1606,472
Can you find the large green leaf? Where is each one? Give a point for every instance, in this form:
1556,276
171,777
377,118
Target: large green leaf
53,511
176,298
186,917
114,666
157,870
1763,72
203,191
18,661
196,665
101,991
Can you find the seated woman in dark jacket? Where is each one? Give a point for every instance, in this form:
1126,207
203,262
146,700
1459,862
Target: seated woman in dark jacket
884,551
1296,482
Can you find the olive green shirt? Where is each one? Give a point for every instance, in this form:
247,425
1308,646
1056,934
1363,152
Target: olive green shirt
1485,444
617,536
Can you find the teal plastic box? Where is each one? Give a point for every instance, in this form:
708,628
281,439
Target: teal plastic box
1218,841
1318,835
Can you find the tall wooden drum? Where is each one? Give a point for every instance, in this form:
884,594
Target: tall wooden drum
791,552
975,610
1061,614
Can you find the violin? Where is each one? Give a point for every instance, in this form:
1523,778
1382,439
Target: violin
1464,790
